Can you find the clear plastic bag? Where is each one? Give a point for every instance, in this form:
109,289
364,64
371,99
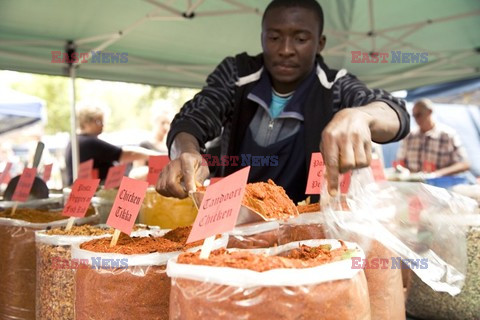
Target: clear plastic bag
304,227
416,222
329,291
136,288
254,235
425,303
55,296
18,265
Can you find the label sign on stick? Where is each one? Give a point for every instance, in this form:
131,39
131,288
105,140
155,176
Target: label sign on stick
315,174
127,204
5,173
344,182
80,197
377,170
95,174
114,176
429,167
85,169
155,166
215,179
220,206
24,185
47,171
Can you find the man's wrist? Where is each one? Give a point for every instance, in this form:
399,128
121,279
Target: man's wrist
183,143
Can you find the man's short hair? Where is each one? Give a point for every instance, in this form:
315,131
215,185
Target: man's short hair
311,5
425,103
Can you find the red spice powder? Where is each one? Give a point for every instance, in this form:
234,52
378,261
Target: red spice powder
303,257
269,200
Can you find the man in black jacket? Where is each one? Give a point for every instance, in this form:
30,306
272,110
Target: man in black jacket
284,103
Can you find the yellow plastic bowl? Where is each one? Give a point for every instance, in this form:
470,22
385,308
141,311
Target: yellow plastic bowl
168,213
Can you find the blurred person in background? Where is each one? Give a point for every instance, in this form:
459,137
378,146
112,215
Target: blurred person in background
162,114
90,120
433,148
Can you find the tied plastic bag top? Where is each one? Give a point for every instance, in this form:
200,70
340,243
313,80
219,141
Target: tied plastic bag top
295,288
421,224
126,286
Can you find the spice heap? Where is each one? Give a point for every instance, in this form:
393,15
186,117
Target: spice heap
312,207
134,291
85,230
303,257
423,302
284,287
18,261
269,200
32,215
56,270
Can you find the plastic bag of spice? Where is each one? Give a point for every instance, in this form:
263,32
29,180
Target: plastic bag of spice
304,227
56,270
425,303
260,284
17,258
410,220
254,235
131,283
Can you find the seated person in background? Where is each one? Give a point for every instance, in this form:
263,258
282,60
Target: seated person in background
90,120
432,148
162,114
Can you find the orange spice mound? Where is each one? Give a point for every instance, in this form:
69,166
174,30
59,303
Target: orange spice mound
33,215
304,257
174,240
129,245
179,234
312,207
269,200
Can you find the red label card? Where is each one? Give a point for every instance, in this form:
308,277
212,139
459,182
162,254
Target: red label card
155,166
377,170
114,176
47,171
415,207
80,197
215,179
85,170
95,174
5,172
220,206
399,163
22,191
344,182
127,204
315,174
429,166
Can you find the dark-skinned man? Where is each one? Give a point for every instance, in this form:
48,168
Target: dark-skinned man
284,102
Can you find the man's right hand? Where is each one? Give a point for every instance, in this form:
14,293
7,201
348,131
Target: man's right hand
184,170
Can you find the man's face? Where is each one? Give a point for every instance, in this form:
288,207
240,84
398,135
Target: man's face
421,115
290,41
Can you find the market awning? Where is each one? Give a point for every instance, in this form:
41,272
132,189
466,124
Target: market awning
18,110
177,43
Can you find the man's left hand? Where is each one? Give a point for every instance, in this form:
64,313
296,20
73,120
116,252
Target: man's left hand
346,144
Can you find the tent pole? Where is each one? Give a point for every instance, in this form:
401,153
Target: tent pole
73,124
